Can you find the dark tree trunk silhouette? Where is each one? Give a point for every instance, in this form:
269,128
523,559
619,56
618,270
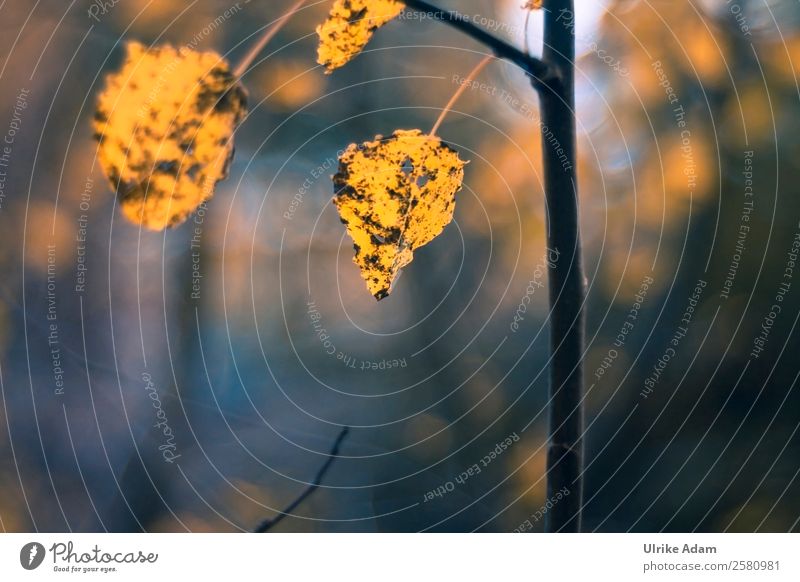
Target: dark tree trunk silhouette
567,286
553,77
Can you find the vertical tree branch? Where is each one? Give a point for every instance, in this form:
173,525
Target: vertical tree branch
567,287
553,76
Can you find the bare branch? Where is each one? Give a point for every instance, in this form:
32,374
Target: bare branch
541,72
268,524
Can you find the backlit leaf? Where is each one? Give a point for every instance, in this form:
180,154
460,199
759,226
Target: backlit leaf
395,195
349,27
165,124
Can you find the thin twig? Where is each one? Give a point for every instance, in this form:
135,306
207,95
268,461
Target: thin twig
267,36
460,91
541,72
268,524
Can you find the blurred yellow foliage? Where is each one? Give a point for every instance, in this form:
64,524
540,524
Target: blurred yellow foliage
783,56
705,53
146,14
49,237
349,27
291,84
750,117
395,195
165,124
527,462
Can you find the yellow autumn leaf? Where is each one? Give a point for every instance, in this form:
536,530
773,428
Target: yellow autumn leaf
349,27
532,5
165,124
395,195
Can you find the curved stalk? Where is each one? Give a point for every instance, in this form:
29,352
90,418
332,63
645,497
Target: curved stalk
266,36
526,47
460,91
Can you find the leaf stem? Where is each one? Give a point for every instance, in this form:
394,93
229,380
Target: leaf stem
460,91
526,47
266,36
540,71
268,524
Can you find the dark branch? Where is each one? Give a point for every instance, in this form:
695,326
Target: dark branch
541,72
567,287
268,524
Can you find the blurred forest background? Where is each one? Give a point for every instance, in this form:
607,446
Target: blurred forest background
682,106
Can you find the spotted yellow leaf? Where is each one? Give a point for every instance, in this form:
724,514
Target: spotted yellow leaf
349,27
165,124
395,195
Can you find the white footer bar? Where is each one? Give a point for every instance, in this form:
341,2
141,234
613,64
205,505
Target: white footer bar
401,557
